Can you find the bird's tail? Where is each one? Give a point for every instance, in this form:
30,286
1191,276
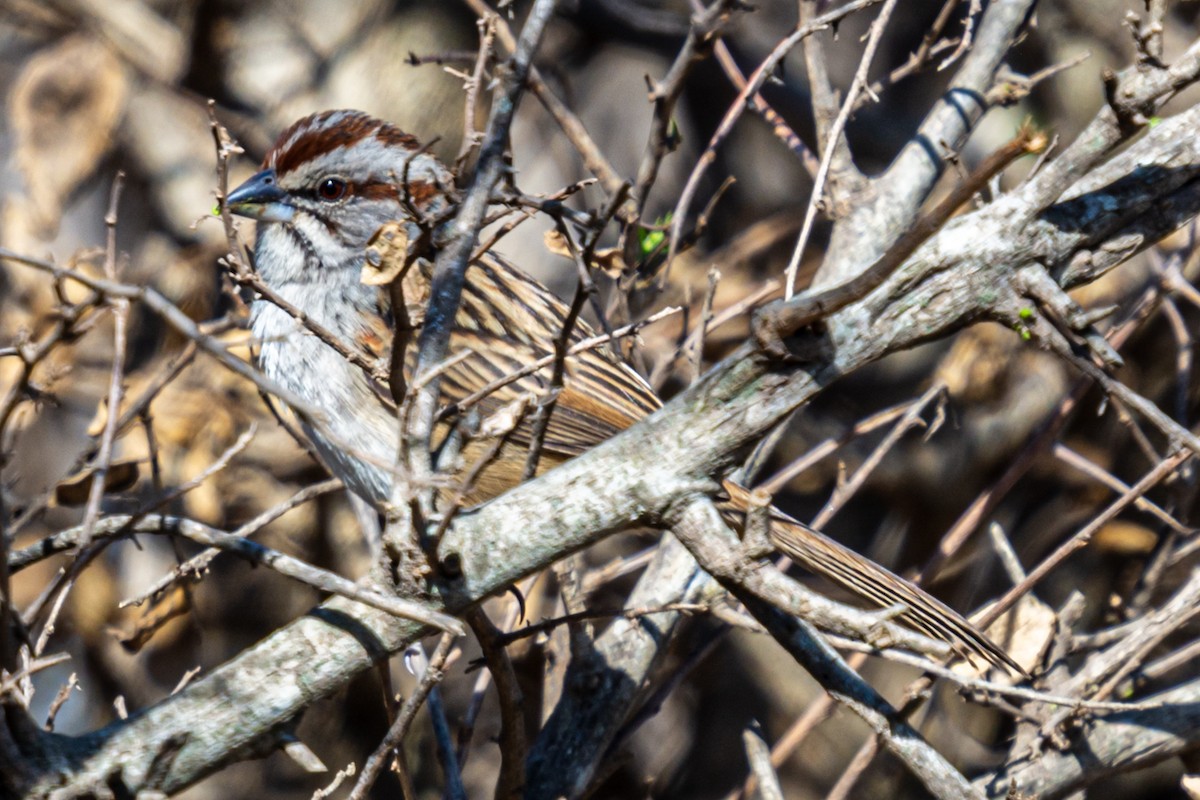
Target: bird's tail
823,556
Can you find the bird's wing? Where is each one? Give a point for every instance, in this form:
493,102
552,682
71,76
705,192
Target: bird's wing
511,322
599,397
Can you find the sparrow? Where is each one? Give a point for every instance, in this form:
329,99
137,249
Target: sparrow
330,183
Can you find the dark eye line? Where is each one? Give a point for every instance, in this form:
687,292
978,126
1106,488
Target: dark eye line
371,190
329,189
312,193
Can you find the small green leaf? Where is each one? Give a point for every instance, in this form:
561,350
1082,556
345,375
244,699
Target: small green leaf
674,137
1154,121
1025,313
651,239
216,212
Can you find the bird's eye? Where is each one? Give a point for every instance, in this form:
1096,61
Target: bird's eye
331,189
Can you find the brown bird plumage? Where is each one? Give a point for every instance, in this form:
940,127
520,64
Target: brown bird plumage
329,184
508,320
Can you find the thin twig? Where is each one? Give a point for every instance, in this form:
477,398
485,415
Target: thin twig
487,32
590,343
115,391
452,262
1095,471
824,449
759,105
513,747
322,580
378,759
593,157
696,354
736,108
910,418
545,408
704,31
832,143
197,564
175,318
1084,535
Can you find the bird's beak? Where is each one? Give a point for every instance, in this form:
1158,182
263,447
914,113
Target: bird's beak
261,198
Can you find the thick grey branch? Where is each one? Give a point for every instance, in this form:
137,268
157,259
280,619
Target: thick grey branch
1107,746
698,524
600,692
893,200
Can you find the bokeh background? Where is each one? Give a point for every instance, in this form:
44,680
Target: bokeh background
92,87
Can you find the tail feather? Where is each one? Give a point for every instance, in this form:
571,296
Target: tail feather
820,554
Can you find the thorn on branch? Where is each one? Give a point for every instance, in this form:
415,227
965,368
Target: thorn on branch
1012,87
757,530
1148,36
1130,117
